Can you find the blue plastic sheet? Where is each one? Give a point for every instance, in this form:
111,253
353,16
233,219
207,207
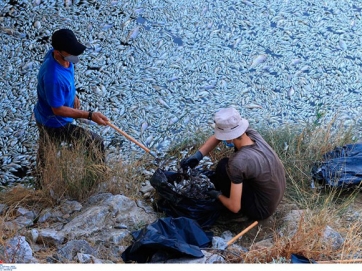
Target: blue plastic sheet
341,167
167,238
300,259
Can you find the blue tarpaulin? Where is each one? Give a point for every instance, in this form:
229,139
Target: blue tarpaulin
341,167
300,259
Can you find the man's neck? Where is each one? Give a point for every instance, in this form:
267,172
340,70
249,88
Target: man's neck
61,61
243,141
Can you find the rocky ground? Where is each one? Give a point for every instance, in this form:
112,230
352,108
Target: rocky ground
99,231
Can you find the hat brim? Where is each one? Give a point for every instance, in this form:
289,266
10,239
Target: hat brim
77,49
232,133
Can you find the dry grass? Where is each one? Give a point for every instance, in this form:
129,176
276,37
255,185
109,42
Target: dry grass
126,177
307,238
71,172
300,148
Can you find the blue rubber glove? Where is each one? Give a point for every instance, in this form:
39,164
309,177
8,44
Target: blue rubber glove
191,161
214,194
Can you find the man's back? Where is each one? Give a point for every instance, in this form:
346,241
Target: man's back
258,167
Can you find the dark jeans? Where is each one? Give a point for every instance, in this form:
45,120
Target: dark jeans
71,134
222,183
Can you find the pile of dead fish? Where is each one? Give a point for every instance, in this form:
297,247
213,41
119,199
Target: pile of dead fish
193,185
160,69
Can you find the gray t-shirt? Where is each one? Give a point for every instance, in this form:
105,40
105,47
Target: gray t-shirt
261,168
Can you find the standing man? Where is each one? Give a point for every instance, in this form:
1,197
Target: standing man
252,180
58,105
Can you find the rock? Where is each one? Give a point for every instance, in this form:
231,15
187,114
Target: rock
110,211
146,207
72,248
26,213
70,206
45,215
147,188
333,237
3,208
34,233
50,237
87,258
87,222
291,221
23,221
208,258
215,258
98,198
264,244
18,250
116,237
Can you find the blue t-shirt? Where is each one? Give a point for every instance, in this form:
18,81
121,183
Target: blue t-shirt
55,88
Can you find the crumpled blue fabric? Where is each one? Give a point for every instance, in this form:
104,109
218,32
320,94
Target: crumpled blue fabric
341,167
171,237
294,258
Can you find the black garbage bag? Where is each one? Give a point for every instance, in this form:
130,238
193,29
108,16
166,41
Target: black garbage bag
204,211
341,167
167,238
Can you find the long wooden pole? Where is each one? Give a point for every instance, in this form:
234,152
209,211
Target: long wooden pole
342,261
241,233
129,138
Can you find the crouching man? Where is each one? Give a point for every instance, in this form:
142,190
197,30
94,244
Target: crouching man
252,180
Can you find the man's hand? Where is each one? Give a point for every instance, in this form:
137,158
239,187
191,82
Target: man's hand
99,118
191,161
76,103
214,194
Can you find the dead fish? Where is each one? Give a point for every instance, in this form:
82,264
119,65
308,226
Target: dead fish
173,120
144,126
133,33
148,140
36,2
291,92
206,87
258,60
303,69
37,24
67,3
342,45
248,3
253,106
163,103
105,130
295,61
237,41
107,26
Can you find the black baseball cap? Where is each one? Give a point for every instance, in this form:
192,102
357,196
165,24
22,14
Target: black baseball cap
65,40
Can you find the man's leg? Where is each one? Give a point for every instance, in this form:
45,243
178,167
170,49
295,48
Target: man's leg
48,138
93,142
220,179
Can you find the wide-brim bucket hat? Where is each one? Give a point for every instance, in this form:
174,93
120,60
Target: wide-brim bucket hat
229,124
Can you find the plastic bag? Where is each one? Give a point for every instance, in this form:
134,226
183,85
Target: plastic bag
204,211
341,167
167,238
300,259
